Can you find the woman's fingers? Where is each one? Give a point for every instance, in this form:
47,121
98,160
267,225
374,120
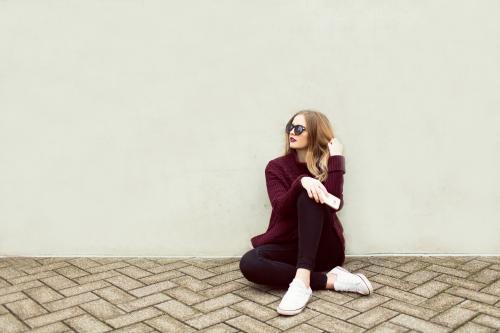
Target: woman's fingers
316,196
320,194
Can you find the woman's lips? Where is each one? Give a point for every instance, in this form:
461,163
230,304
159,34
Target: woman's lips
292,140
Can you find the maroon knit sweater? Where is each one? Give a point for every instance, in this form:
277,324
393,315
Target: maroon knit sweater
283,176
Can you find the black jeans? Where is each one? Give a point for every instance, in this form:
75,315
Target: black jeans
315,249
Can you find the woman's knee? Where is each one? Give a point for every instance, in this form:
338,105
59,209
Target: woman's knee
303,199
248,264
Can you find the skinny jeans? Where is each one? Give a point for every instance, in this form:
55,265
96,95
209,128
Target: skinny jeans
317,249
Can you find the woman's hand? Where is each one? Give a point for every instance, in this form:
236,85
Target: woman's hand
314,188
335,147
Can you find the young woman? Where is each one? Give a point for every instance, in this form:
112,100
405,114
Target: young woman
304,247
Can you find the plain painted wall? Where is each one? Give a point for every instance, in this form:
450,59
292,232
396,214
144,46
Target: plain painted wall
143,127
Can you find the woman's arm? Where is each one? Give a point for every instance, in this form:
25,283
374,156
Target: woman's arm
335,182
282,198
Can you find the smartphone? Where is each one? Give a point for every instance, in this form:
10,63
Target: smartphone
331,201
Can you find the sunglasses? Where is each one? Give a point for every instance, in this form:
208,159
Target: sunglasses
298,129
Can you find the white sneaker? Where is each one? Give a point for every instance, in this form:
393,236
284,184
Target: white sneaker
347,281
295,299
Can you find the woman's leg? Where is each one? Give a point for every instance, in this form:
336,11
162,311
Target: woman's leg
275,265
313,227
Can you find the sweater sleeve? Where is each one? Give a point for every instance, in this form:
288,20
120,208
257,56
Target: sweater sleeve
282,197
335,182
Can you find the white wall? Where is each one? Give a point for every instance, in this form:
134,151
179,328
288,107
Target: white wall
143,127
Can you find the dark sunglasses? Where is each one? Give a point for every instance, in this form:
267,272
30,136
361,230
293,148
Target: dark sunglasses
298,129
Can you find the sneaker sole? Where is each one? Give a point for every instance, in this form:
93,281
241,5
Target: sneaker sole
366,282
289,312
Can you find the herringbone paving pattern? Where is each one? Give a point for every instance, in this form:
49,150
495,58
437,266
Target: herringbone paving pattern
412,294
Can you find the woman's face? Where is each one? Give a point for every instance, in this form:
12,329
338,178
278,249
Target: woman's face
301,139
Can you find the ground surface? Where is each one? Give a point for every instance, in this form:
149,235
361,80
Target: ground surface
412,294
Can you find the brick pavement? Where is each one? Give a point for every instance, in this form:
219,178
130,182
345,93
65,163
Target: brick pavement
411,294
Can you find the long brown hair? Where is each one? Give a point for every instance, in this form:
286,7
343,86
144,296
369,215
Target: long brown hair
320,132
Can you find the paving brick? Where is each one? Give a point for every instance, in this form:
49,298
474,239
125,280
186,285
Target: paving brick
460,282
102,309
492,289
418,324
213,318
489,321
58,327
485,276
304,328
143,302
222,289
107,267
430,288
400,295
386,271
152,289
256,295
134,272
255,310
413,266
473,295
192,283
224,278
185,295
96,277
32,277
286,322
441,302
114,295
71,272
9,298
169,324
58,282
70,301
393,282
483,308
196,272
87,324
410,309
168,275
25,308
136,328
330,324
332,309
219,328
124,282
218,302
19,287
177,309
373,317
11,324
250,325
53,317
420,277
473,327
134,317
388,327
449,271
454,317
474,265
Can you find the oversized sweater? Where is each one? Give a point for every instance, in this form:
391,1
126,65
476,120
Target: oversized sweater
283,175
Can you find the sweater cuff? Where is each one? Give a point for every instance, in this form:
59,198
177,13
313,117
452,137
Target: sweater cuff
336,163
